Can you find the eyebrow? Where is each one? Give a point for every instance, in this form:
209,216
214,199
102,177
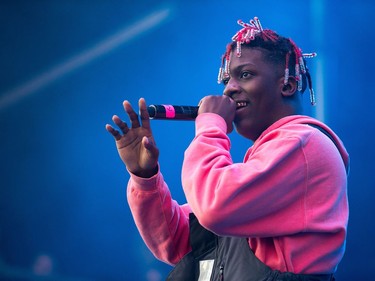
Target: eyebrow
241,66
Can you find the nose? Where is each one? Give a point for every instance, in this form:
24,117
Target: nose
231,88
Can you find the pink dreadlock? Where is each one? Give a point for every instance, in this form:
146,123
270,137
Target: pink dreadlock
252,34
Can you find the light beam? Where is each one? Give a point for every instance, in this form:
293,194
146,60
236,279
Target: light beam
103,47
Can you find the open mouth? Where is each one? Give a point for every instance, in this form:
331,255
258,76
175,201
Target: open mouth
241,104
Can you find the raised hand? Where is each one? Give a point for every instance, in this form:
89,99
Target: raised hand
136,145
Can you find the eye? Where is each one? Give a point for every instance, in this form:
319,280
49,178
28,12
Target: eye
225,81
246,74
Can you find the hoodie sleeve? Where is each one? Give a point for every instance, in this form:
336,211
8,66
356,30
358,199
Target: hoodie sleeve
264,196
161,221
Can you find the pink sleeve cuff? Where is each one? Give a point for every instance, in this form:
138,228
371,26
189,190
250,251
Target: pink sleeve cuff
146,184
209,120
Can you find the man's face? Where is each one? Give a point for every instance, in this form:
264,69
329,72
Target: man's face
255,84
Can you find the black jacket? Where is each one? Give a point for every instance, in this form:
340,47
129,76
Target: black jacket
216,258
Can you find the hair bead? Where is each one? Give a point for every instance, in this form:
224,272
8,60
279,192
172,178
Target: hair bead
286,72
220,75
311,90
309,55
312,96
299,83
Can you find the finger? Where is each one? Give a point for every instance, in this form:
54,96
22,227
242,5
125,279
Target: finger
121,124
116,134
202,100
150,145
145,117
133,116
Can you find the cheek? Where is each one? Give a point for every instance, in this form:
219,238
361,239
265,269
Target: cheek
266,97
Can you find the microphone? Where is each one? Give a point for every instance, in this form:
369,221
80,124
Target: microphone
172,112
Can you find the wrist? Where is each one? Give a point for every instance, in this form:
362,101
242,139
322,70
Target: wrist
146,173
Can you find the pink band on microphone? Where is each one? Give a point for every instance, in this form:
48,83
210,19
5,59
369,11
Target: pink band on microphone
169,111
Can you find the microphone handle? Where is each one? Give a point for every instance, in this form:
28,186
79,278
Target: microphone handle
172,112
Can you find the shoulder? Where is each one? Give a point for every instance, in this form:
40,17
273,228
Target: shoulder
291,128
298,126
297,133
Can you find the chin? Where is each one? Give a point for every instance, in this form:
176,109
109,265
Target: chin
245,129
242,132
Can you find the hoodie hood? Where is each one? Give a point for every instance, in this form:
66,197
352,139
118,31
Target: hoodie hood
306,120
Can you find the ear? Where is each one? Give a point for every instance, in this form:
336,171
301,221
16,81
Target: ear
290,88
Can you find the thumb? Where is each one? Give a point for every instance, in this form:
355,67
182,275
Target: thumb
149,144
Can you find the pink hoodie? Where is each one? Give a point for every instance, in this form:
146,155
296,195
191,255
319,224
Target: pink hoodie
289,196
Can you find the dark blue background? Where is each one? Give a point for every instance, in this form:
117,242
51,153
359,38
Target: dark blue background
62,184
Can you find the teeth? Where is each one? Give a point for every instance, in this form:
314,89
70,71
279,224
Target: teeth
241,104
